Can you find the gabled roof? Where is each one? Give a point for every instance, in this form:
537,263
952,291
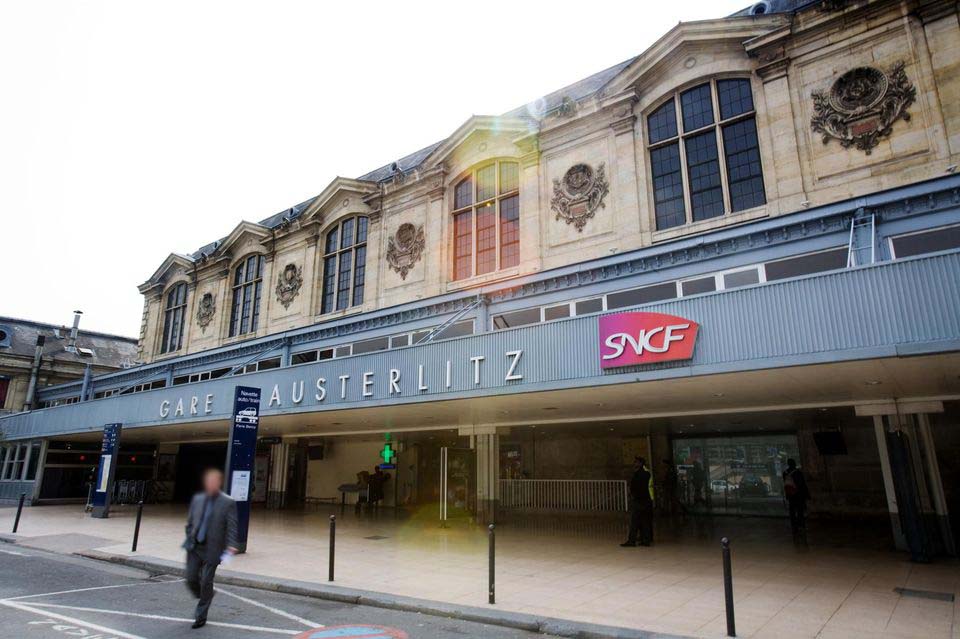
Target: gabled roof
338,185
472,125
174,259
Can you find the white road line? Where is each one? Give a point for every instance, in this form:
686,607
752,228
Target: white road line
78,622
67,592
14,552
276,611
140,615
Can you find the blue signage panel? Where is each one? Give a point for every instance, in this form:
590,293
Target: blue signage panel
103,489
241,454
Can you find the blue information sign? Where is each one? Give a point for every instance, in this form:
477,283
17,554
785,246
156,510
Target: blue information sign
241,454
107,470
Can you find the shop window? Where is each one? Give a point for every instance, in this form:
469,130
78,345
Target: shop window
34,461
247,285
737,279
585,307
399,341
304,358
644,295
806,264
343,351
516,318
486,220
704,153
556,312
942,239
699,285
344,265
371,345
268,364
173,315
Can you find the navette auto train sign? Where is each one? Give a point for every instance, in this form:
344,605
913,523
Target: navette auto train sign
628,339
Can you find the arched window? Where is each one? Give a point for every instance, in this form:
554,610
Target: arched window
173,314
687,136
344,265
247,282
486,220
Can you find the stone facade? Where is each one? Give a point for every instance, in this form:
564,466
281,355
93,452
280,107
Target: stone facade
602,122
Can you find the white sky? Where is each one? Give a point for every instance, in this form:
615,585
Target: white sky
130,130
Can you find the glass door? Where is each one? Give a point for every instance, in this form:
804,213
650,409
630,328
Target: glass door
458,484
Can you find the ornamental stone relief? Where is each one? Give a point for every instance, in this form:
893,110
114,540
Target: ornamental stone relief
206,310
405,248
288,284
579,194
862,106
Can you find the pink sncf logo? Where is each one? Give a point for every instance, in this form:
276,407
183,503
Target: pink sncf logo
627,339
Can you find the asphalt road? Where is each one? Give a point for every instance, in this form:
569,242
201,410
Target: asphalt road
51,596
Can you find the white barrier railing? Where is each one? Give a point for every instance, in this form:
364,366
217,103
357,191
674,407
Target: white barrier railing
564,494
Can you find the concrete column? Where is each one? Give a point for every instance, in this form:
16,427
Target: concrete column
277,481
935,482
880,429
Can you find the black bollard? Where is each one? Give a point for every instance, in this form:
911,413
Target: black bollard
16,522
333,538
728,588
492,598
136,527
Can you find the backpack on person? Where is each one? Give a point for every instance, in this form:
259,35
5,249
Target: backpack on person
790,488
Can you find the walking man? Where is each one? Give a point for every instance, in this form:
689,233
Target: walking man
641,506
796,491
211,535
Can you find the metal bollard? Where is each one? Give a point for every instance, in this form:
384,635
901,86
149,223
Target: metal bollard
492,598
728,588
16,522
136,528
333,538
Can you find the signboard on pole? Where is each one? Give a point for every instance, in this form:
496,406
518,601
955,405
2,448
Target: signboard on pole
103,488
241,455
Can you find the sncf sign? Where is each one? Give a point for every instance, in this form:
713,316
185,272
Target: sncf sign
627,339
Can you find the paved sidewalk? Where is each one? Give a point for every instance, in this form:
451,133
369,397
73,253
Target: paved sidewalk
571,569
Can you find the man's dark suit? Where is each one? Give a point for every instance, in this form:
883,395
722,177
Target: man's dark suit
203,555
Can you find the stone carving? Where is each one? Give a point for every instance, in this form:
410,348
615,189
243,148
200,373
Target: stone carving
288,284
577,197
405,248
208,306
862,106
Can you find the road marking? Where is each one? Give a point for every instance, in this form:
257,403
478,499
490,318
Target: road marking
141,615
78,622
276,611
67,592
14,552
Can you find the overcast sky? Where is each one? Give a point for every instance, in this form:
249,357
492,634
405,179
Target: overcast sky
130,130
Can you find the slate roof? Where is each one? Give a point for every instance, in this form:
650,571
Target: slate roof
108,350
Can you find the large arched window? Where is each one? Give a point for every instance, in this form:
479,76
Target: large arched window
247,283
687,136
486,220
344,265
174,312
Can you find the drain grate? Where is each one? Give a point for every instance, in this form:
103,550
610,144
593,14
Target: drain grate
925,594
375,537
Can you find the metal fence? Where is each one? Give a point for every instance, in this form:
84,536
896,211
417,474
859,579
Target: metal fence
564,494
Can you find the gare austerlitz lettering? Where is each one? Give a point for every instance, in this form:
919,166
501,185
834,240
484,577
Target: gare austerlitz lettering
344,385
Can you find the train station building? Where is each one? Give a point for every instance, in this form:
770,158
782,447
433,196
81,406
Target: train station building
738,247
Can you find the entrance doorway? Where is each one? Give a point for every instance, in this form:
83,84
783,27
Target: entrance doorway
734,474
192,460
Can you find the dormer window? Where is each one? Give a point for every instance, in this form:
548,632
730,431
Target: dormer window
687,136
486,220
245,307
344,265
173,314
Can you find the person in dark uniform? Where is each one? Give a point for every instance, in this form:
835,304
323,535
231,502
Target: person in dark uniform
796,491
641,506
211,534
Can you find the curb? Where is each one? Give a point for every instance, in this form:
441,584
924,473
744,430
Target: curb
516,620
